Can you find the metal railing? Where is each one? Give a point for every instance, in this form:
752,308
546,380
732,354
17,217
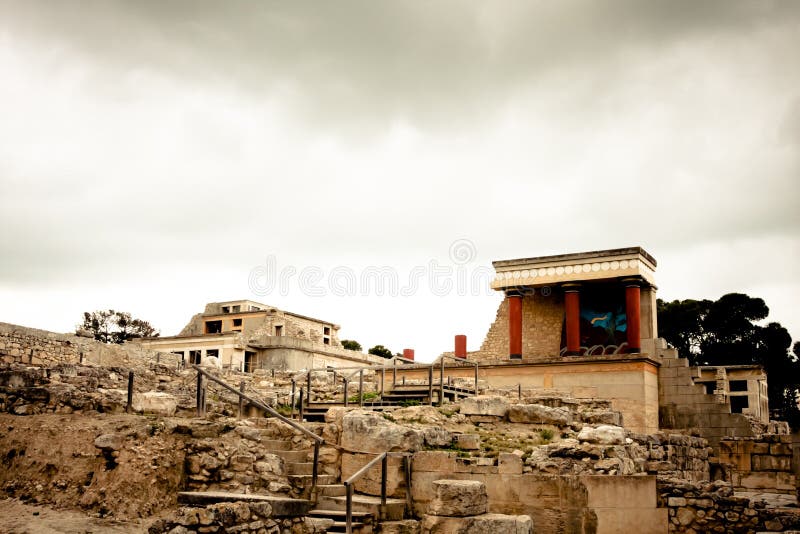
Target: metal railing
201,410
349,484
408,365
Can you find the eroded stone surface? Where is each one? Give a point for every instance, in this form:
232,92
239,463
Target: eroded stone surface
459,498
481,524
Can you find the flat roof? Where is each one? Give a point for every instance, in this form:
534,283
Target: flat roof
596,265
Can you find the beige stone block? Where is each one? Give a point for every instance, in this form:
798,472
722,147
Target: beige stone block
620,491
435,461
458,498
482,524
509,463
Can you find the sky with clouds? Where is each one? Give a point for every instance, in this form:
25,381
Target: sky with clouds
155,156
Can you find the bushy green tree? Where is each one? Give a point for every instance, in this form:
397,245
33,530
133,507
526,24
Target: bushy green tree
111,326
380,350
350,344
726,332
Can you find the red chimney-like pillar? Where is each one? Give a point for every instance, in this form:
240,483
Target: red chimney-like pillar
514,324
461,346
633,313
572,310
408,354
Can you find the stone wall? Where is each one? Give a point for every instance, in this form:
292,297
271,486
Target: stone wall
762,464
684,405
542,321
239,517
30,346
713,507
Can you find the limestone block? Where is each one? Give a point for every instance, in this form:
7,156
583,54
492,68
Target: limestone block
155,402
509,463
485,405
603,434
433,461
109,442
242,462
271,463
370,432
467,442
437,437
539,414
406,526
458,498
481,524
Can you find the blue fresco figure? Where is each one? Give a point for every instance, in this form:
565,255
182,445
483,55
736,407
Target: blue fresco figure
609,321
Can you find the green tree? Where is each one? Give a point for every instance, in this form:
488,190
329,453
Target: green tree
380,350
350,344
111,326
726,332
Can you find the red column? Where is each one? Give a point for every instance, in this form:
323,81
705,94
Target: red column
633,312
461,346
514,324
572,310
408,354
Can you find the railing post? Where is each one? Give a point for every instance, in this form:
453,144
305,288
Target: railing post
199,394
361,388
241,400
409,500
129,406
346,400
292,401
301,404
519,390
308,387
430,385
384,470
441,384
476,379
315,469
383,379
349,508
394,373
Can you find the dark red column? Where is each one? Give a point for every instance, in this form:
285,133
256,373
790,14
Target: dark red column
572,309
633,312
514,324
461,346
408,354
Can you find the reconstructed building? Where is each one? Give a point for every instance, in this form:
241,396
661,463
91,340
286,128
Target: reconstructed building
247,335
586,324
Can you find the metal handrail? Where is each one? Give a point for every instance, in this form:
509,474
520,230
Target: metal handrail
318,441
350,482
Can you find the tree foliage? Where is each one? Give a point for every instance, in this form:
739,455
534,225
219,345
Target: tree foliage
380,350
111,326
727,332
350,344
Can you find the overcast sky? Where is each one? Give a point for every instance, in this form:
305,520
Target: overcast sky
155,156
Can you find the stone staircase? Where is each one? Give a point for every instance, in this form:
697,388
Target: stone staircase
367,510
299,470
400,395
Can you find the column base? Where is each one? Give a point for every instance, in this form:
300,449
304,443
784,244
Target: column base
515,356
633,350
572,353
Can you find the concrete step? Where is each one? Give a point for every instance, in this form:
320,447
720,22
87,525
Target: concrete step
361,522
331,490
304,481
394,511
276,445
292,456
281,506
299,468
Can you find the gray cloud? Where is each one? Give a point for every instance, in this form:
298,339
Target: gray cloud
160,138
